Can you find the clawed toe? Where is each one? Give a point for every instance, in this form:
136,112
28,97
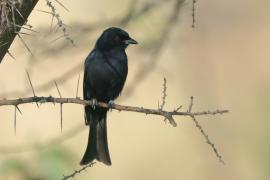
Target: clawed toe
94,103
111,104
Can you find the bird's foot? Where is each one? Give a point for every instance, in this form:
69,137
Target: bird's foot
94,103
111,104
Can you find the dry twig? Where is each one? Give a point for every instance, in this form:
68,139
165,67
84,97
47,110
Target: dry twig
193,13
60,23
203,132
164,94
78,171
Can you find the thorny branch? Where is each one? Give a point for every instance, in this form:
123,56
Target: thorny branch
13,17
166,114
50,99
78,171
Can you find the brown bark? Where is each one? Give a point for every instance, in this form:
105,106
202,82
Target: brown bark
13,15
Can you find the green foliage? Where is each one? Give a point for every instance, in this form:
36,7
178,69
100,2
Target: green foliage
48,164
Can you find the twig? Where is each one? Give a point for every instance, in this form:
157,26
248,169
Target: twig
164,94
203,132
193,13
60,23
78,171
207,139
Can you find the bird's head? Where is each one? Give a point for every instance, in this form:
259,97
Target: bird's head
114,37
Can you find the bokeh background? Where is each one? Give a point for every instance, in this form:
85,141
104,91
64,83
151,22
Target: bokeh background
223,62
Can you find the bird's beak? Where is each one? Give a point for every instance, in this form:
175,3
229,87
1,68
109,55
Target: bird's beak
130,41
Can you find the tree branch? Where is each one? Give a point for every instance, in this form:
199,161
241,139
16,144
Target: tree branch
166,114
13,15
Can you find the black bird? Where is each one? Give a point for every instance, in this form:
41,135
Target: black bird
105,72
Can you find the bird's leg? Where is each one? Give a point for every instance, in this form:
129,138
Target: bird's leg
111,104
85,120
94,103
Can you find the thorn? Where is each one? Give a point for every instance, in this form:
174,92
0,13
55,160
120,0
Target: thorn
44,11
193,13
78,83
178,108
25,45
56,39
15,120
57,89
11,55
61,116
24,33
18,109
31,86
191,104
29,29
62,5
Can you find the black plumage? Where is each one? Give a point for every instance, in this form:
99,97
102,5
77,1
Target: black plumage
105,72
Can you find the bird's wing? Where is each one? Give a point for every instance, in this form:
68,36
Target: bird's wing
88,60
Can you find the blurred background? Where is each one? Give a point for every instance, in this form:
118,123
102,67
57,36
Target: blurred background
223,62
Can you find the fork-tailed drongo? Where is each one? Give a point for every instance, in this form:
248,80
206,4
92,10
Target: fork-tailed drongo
105,72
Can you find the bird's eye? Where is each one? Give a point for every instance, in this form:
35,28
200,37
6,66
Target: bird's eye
117,38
